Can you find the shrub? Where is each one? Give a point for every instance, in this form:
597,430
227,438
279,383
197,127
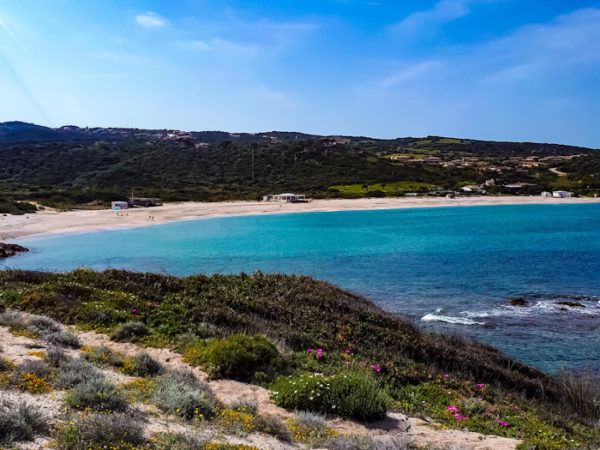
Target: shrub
234,422
5,365
55,356
32,376
366,442
353,394
75,372
62,339
311,427
190,400
239,357
42,325
114,430
97,394
22,423
245,405
272,425
130,331
102,355
180,441
142,365
581,392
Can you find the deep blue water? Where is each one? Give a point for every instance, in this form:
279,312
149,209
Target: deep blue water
449,269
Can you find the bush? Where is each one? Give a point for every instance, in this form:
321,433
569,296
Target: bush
142,365
130,331
180,441
22,423
272,425
97,394
102,355
5,365
41,325
62,339
366,442
75,372
114,430
55,356
311,427
245,405
240,357
581,393
190,400
355,395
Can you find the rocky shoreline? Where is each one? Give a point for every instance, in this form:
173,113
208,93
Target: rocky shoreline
8,250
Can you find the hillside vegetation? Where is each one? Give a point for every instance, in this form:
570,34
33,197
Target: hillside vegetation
282,331
67,168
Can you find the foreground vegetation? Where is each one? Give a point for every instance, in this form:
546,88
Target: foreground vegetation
317,347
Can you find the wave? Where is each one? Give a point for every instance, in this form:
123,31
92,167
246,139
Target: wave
449,319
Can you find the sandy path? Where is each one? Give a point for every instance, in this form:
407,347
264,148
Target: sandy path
50,222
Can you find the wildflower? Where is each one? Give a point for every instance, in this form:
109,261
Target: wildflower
458,416
517,408
445,375
453,409
480,385
504,424
347,363
346,351
424,405
310,350
376,368
363,363
133,310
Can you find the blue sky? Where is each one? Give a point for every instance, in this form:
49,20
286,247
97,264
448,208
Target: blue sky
524,70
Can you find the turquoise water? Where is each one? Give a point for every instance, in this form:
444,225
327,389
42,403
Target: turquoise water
448,269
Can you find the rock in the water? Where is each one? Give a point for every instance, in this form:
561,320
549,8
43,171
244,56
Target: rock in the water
7,250
517,301
571,304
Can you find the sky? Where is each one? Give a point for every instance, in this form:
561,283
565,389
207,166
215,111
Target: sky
516,70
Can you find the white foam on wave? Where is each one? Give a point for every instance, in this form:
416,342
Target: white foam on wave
449,319
540,307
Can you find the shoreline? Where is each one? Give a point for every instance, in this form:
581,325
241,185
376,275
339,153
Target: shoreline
45,223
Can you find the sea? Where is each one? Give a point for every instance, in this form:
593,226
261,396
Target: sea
448,269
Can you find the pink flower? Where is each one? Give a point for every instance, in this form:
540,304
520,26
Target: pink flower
480,385
136,316
133,310
346,351
310,350
347,363
465,418
517,408
518,432
445,375
320,350
504,424
457,416
499,422
453,409
363,363
424,405
376,368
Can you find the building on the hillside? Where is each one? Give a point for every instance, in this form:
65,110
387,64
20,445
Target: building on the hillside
143,202
473,188
561,194
287,198
119,205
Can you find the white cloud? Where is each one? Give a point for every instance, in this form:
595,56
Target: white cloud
409,73
224,46
427,22
150,20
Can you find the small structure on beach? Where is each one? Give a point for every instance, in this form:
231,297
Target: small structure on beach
143,202
546,194
287,198
117,206
562,194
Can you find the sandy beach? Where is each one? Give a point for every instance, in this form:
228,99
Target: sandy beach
52,222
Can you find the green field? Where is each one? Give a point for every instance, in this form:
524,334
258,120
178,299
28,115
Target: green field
388,188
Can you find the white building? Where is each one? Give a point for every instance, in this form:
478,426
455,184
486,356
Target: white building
287,198
561,194
119,205
546,194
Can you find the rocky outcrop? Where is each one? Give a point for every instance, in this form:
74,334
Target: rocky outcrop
7,250
517,301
